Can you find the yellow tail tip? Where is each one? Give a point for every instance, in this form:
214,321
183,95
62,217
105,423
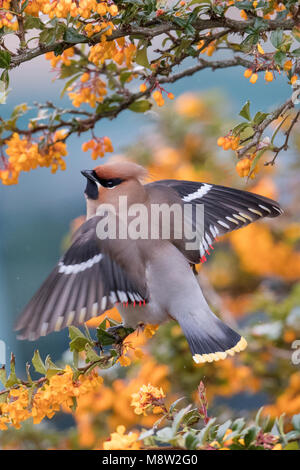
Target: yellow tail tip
220,355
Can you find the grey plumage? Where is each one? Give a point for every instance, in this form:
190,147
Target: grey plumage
150,281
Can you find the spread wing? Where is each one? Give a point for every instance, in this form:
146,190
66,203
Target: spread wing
90,278
225,209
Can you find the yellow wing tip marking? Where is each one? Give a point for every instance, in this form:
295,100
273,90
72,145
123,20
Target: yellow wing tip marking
220,355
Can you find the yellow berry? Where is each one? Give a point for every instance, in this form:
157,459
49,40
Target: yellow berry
268,76
244,15
288,65
227,144
294,79
253,78
260,49
85,77
248,73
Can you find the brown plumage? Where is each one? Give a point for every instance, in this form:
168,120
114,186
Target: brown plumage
125,170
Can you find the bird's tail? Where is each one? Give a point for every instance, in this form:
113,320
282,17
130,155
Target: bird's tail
209,338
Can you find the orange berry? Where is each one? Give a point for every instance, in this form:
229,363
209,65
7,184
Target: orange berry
260,49
244,15
85,77
294,79
210,50
157,96
227,144
113,10
288,65
143,87
235,143
220,141
268,76
240,168
243,167
170,96
253,78
248,73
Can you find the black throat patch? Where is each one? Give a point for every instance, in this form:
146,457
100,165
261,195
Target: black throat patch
91,190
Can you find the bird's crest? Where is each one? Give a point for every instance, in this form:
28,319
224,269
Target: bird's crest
121,169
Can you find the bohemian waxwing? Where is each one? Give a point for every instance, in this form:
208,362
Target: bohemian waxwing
149,279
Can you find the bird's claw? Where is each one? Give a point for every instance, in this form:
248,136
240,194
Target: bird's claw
119,333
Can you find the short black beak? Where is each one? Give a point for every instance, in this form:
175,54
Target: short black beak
89,174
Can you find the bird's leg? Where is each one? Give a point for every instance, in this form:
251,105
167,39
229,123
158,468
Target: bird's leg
194,269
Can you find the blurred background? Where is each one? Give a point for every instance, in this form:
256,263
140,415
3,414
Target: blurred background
251,281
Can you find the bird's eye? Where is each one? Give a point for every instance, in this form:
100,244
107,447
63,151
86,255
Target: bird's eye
110,183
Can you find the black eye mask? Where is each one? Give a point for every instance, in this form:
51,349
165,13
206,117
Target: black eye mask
91,189
111,183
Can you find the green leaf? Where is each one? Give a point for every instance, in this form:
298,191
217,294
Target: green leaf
296,52
73,37
32,22
124,76
78,343
48,36
52,369
178,418
146,433
28,373
91,355
292,435
222,430
140,106
250,41
191,417
191,441
104,338
174,404
12,378
24,5
5,59
279,58
258,415
68,83
259,117
296,34
277,38
5,78
58,50
257,158
204,433
165,434
296,421
245,111
238,424
250,435
3,378
240,128
75,332
38,364
141,57
292,446
3,397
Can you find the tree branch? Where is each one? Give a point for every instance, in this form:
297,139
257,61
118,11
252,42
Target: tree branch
151,30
